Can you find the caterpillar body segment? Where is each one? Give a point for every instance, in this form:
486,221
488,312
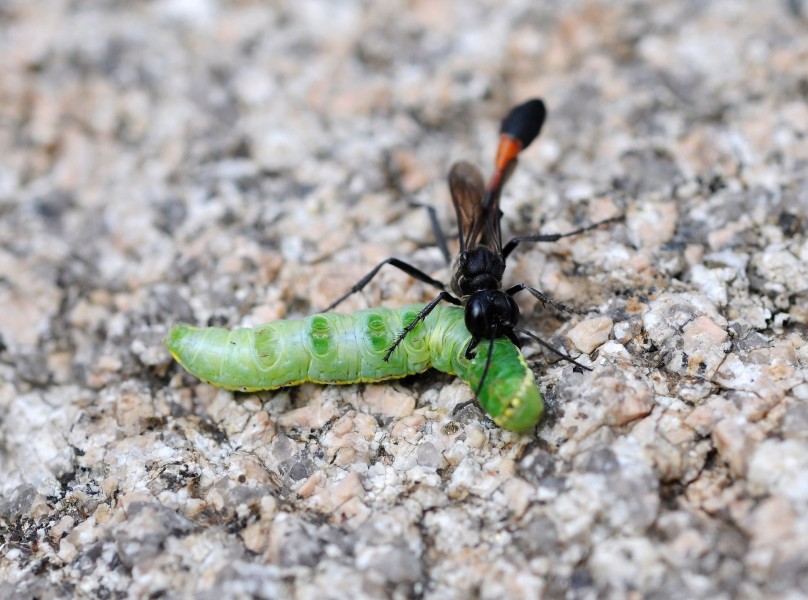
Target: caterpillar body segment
332,348
324,348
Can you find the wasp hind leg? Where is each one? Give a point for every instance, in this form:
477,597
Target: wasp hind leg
541,297
437,230
550,347
410,270
554,237
470,353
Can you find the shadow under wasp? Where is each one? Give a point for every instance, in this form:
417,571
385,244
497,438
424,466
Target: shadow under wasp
490,311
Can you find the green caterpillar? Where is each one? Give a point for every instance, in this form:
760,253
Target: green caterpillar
337,348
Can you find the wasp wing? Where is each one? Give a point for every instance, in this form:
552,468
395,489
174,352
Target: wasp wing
467,187
477,205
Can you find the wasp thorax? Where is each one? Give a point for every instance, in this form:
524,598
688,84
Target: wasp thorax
477,270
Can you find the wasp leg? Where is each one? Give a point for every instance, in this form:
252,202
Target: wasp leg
566,357
437,230
542,297
462,405
414,272
553,237
420,317
512,336
470,348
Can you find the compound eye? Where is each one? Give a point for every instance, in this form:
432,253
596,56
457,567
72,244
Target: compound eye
477,317
513,311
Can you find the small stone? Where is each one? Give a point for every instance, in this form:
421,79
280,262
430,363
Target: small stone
622,332
625,398
670,313
409,428
345,457
518,494
712,282
475,435
734,443
781,269
310,485
780,467
109,364
429,456
62,527
626,562
701,420
651,225
504,580
615,350
705,345
134,411
335,495
397,564
590,334
67,551
316,413
256,536
385,400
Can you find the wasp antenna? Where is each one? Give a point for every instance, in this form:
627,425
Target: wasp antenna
487,366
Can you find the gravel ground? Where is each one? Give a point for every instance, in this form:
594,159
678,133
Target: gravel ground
233,163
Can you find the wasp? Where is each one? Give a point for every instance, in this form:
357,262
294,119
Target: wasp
490,310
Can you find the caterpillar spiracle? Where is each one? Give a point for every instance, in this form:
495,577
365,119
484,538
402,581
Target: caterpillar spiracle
333,348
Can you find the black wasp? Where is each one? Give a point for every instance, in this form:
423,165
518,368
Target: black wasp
490,310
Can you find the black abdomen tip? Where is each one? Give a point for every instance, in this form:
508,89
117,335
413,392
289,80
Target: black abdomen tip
525,121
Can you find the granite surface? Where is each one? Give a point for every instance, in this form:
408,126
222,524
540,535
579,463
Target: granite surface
230,163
